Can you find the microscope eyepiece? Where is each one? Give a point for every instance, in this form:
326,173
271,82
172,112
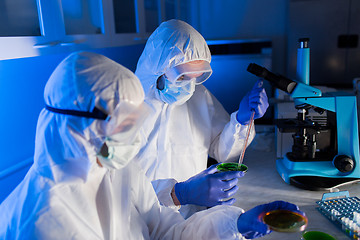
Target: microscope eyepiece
278,81
304,42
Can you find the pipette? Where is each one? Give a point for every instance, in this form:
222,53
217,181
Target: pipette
241,158
223,167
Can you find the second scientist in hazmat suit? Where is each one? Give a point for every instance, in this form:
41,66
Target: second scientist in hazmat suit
188,123
76,191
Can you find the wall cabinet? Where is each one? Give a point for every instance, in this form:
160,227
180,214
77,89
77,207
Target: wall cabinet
39,27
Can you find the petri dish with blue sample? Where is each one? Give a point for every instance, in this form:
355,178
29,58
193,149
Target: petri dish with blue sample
288,221
224,167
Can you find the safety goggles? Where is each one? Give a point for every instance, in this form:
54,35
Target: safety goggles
199,71
127,119
179,83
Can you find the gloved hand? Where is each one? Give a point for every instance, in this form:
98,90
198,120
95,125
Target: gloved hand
251,226
208,189
255,100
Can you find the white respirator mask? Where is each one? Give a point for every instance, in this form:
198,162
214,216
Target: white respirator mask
120,154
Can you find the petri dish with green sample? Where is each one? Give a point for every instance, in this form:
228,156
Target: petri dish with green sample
316,235
285,221
224,167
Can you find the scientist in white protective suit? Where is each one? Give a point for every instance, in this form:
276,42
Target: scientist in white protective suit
188,123
79,187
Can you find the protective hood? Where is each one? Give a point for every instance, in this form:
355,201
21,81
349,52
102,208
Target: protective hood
66,145
173,43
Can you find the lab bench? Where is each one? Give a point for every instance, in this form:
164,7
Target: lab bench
262,184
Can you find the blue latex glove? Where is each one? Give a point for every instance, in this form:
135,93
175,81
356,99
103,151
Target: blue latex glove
255,100
208,189
251,226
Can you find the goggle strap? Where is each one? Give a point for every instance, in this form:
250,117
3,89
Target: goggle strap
96,113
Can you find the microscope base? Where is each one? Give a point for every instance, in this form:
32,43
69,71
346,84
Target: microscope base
314,183
315,175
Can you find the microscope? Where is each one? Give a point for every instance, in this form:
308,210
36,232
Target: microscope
324,154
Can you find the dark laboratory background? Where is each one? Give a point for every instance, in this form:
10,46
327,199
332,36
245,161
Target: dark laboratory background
35,36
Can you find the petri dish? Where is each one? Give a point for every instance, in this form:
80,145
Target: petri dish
316,235
224,167
285,221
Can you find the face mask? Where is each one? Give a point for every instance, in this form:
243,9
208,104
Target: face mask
120,154
177,93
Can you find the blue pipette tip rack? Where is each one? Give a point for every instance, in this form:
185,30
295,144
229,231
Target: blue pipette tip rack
343,211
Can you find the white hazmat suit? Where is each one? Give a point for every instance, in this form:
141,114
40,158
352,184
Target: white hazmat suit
182,136
67,195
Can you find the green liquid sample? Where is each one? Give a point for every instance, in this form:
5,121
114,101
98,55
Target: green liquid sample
316,235
224,167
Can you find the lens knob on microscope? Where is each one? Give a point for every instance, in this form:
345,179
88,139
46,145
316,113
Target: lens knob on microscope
343,163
